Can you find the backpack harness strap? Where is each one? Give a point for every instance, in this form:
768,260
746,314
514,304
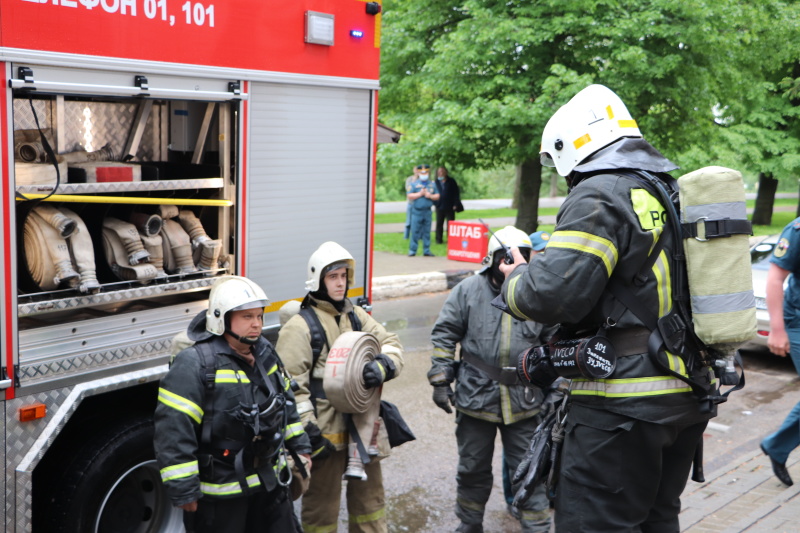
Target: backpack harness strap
319,339
672,332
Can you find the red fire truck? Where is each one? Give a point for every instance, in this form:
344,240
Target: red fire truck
148,148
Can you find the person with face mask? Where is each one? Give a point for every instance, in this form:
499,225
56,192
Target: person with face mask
331,273
422,195
226,418
488,398
630,437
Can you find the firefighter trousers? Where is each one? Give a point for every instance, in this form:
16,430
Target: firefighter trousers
620,474
476,440
261,512
365,499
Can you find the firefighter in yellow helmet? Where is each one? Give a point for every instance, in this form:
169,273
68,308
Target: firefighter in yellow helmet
331,273
630,438
226,420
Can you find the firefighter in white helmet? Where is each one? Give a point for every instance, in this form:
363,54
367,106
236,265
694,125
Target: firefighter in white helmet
631,437
226,420
331,274
489,397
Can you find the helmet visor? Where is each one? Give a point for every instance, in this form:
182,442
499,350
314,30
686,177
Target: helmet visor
255,304
546,160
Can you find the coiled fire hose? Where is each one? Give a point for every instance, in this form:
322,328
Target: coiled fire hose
344,387
120,241
57,243
205,249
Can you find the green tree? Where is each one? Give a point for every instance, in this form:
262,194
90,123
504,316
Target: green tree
473,82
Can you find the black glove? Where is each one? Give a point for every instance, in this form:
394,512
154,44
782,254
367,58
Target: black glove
320,446
443,397
377,371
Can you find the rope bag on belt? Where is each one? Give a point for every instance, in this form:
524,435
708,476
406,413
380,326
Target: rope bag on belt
344,387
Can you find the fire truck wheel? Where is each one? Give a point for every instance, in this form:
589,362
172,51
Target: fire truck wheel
114,484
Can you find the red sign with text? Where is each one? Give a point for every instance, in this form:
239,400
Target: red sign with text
466,241
263,35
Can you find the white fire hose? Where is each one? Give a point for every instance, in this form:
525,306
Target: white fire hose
57,243
177,249
119,240
206,250
344,387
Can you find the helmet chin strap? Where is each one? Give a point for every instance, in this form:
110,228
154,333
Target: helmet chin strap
245,340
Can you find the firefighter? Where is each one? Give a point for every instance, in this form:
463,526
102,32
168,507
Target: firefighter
631,438
225,419
331,273
488,395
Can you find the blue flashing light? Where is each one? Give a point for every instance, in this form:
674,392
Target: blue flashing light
358,34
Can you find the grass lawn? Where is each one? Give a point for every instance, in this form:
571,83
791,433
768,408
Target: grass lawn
396,244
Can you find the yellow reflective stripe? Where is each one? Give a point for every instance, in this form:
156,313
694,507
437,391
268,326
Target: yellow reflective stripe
231,376
336,438
676,364
504,353
587,243
474,506
180,471
628,124
609,112
627,388
327,528
225,489
580,141
441,352
364,518
181,404
287,383
293,430
512,300
273,369
663,284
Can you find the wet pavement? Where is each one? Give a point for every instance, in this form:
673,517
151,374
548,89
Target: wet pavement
740,493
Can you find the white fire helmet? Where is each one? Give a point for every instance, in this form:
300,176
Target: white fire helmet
329,254
231,293
593,119
511,237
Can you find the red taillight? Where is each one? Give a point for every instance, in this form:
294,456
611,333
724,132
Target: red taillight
762,333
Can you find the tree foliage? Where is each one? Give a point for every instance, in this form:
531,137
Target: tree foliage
472,83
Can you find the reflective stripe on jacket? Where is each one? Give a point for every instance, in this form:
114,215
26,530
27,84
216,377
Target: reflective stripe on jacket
188,470
607,226
483,331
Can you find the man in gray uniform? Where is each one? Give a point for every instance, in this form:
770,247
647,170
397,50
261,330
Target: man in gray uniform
488,394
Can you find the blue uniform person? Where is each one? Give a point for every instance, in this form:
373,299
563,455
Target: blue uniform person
784,338
422,195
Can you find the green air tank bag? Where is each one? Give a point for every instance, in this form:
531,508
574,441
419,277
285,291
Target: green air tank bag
718,269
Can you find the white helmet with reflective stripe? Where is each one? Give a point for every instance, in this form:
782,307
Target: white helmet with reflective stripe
593,119
231,293
511,237
329,254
